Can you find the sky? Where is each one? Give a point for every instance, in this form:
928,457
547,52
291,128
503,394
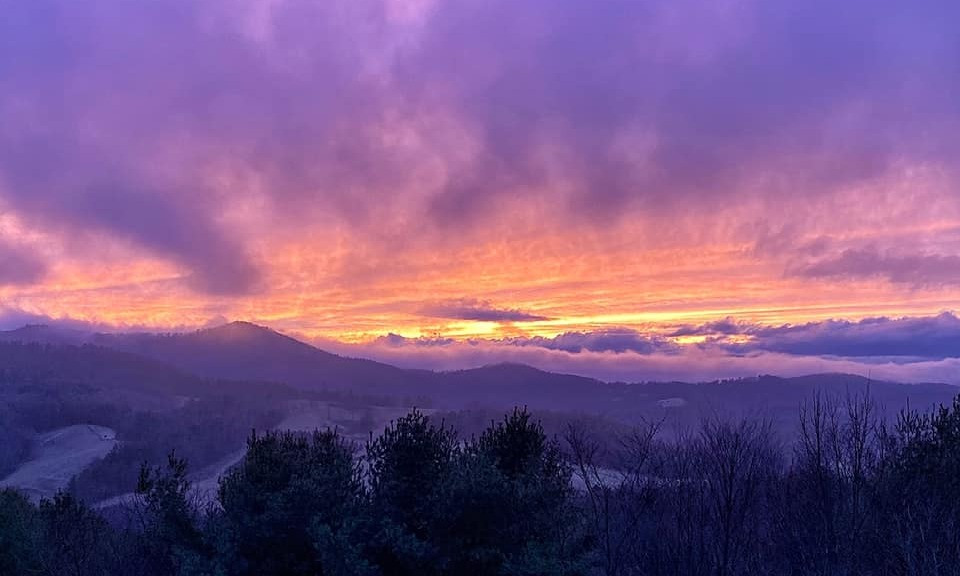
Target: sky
630,189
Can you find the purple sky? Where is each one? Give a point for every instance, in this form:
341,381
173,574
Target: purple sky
508,177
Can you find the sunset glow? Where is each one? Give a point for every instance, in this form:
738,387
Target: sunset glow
348,171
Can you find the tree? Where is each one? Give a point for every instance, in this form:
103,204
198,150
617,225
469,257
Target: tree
409,466
735,467
475,516
541,532
824,505
713,499
171,538
18,534
288,505
918,490
72,537
618,503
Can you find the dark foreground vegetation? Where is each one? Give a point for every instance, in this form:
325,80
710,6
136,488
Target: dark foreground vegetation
852,496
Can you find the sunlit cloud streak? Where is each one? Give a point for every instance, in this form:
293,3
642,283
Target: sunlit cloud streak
479,311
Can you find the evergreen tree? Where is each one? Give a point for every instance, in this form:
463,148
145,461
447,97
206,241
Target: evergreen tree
72,538
540,532
409,466
171,538
289,504
19,525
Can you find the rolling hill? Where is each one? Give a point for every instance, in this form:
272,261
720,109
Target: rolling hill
244,352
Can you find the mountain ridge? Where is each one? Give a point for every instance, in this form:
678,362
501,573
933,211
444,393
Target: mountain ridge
240,335
247,352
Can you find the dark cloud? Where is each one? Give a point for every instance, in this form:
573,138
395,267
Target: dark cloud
913,269
912,349
925,337
18,266
910,338
659,102
117,118
147,121
617,341
479,311
688,363
726,327
613,341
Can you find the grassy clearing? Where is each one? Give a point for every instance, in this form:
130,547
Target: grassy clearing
57,456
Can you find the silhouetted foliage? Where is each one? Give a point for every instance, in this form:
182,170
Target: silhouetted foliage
540,532
18,527
851,496
409,465
288,505
169,520
72,538
917,491
201,431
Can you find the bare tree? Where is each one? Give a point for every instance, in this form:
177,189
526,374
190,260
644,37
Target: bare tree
825,498
736,465
618,501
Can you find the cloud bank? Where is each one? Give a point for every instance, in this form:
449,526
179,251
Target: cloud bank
908,349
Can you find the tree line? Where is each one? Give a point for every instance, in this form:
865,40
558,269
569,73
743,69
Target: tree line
852,495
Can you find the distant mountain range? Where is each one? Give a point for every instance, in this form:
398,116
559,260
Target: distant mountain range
243,352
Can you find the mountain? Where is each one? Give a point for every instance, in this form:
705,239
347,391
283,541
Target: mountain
518,384
241,350
44,334
98,369
250,353
244,351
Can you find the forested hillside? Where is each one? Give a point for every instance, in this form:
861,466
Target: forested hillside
854,497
